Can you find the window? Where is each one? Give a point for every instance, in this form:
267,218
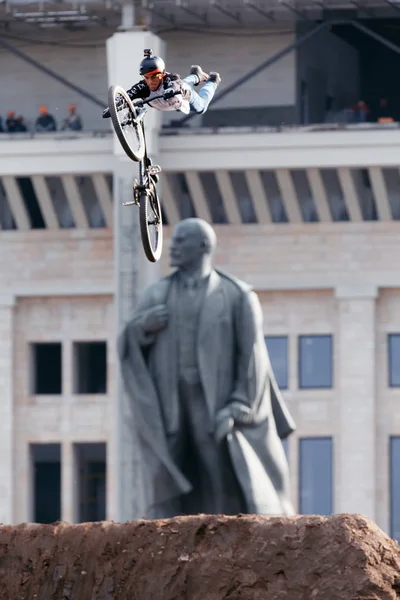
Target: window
316,476
91,468
315,361
46,464
394,359
395,487
46,371
90,367
278,353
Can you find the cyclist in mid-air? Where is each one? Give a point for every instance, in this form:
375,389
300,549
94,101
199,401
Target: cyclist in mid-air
156,81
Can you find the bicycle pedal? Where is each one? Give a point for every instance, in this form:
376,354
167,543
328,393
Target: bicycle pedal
154,169
130,203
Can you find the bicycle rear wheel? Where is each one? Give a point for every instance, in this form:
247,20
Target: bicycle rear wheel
123,116
151,227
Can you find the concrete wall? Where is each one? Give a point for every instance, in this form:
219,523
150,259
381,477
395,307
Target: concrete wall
81,58
311,279
233,54
309,256
54,286
57,262
67,418
271,93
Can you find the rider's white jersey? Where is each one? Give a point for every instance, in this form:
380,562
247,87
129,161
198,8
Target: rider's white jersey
174,103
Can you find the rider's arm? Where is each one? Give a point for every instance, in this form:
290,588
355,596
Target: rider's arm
139,90
173,81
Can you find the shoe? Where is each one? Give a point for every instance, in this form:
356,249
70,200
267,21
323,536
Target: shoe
153,170
197,70
215,77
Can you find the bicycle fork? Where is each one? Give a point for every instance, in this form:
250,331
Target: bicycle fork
151,171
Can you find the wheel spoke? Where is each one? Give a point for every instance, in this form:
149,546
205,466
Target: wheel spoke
127,129
151,224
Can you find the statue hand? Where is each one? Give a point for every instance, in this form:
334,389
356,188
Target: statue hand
240,412
235,412
224,425
155,319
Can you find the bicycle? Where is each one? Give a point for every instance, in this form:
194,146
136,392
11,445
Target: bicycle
127,117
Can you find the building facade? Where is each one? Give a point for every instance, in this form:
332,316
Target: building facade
307,216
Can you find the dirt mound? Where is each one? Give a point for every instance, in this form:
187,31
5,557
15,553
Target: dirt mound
345,557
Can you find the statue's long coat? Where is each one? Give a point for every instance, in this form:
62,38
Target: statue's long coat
234,365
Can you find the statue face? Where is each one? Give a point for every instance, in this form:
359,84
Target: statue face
187,245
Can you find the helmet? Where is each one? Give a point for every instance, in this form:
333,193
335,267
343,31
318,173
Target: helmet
151,63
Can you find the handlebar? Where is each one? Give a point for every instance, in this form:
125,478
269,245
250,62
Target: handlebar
143,102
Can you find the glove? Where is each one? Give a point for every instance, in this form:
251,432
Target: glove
168,94
106,113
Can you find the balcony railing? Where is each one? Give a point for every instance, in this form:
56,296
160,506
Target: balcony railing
320,173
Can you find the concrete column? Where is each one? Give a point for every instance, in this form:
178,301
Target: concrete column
6,409
355,376
127,254
132,272
69,483
124,54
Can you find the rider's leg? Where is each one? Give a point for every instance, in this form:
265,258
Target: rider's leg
199,101
191,80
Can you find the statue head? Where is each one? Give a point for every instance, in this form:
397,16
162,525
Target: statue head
193,243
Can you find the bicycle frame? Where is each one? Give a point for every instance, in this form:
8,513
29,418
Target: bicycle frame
145,186
141,105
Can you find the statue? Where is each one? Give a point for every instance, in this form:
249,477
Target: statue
206,405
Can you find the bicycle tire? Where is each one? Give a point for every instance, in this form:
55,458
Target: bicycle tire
152,251
135,154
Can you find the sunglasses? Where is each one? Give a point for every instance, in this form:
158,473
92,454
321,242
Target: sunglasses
153,77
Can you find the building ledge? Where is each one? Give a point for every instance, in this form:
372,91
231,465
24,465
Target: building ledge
56,152
292,148
316,128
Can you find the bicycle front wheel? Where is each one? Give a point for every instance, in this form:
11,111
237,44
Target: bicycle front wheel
151,227
123,116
